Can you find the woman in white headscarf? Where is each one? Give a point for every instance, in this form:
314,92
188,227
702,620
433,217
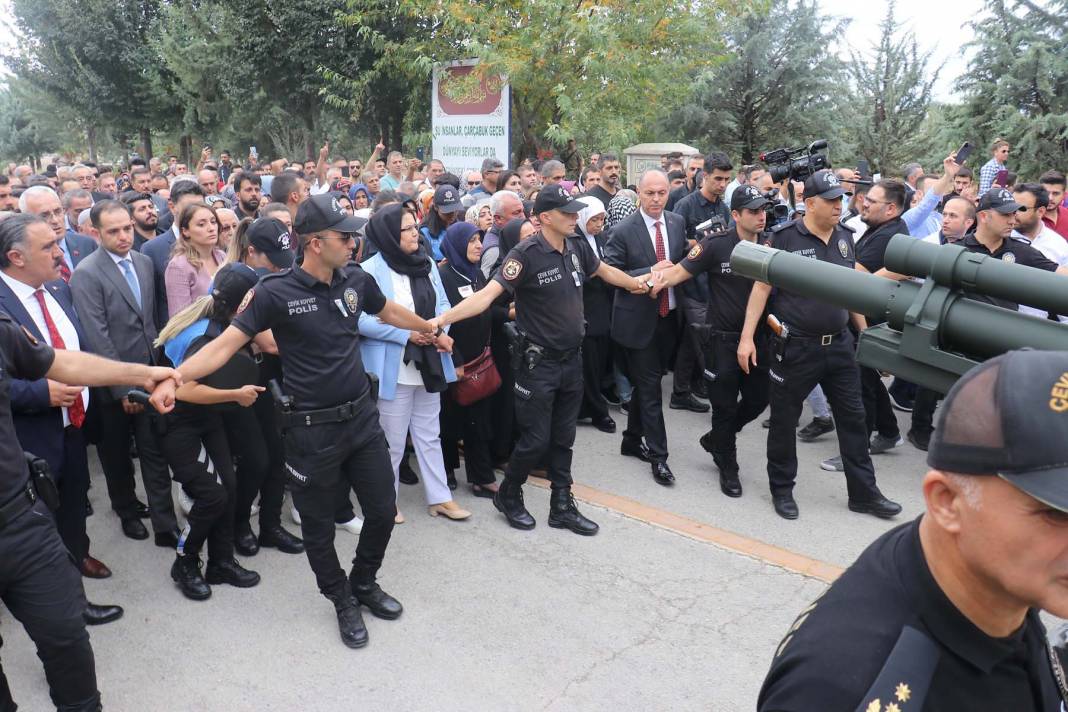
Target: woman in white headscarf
597,301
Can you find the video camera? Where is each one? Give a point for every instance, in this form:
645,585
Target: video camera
713,227
796,163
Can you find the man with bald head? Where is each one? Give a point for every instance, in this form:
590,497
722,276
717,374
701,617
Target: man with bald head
649,239
43,201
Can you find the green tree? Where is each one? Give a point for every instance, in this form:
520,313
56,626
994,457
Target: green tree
23,137
891,96
777,86
600,72
1016,86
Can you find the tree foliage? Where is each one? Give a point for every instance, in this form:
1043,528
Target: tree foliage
778,85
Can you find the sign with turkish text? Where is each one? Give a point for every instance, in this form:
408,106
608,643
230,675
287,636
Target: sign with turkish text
469,116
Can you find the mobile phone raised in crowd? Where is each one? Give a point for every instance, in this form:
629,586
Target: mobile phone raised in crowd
963,153
344,171
1002,178
253,152
864,169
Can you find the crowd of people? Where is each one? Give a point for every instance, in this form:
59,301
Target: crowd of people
330,319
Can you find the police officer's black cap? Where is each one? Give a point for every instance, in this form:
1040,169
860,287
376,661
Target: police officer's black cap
747,197
232,282
447,199
554,197
999,200
1009,417
823,184
324,212
272,238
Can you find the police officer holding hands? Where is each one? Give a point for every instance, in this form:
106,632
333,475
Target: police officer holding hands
737,397
328,414
814,347
545,274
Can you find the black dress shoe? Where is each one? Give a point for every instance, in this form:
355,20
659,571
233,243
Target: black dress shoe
706,442
880,507
635,449
277,537
920,441
785,506
605,424
134,529
482,491
662,474
509,501
168,540
245,542
727,464
563,514
185,571
687,401
142,510
98,615
406,474
380,603
230,572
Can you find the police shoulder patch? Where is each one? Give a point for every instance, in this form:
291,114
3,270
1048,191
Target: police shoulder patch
694,252
246,300
511,269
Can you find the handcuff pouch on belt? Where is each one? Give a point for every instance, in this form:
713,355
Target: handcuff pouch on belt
517,342
41,479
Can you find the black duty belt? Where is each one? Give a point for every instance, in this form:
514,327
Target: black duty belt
335,414
822,340
555,354
17,505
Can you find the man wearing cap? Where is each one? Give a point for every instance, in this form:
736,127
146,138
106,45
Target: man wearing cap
737,398
544,274
330,424
942,613
814,347
272,239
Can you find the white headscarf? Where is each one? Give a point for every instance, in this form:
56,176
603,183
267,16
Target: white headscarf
594,207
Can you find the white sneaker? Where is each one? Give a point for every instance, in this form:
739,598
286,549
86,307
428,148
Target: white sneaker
353,526
185,502
294,515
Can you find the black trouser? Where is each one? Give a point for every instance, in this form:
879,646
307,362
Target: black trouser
878,411
644,369
502,402
197,450
547,401
319,459
596,360
807,363
472,424
113,450
250,460
72,479
273,490
42,588
688,362
737,398
923,409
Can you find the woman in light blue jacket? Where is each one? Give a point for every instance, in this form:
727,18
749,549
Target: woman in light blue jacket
413,369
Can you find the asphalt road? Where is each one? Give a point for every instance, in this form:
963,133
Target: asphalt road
643,616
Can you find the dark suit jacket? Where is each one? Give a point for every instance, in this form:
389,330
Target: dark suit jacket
597,296
80,246
631,249
115,326
39,426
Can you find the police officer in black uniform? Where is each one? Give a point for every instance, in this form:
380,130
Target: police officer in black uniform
942,613
545,274
737,398
39,581
329,419
815,347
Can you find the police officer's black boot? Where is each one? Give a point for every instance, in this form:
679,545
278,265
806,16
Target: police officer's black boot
509,501
186,573
369,593
563,514
349,619
729,483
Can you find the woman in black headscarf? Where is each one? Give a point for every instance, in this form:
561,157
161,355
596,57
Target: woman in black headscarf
411,371
473,423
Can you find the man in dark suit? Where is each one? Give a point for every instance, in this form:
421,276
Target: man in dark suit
647,328
42,201
49,415
115,298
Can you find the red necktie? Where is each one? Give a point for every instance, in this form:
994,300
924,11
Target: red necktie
64,271
662,304
76,411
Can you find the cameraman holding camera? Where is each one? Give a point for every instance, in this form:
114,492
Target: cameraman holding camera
813,347
737,397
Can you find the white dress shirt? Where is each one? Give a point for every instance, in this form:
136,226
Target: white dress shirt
1055,249
26,294
408,374
650,226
